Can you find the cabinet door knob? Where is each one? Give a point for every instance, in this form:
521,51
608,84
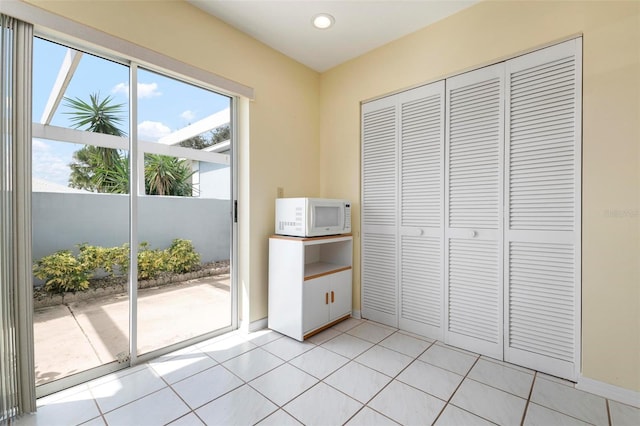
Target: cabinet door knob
326,298
332,297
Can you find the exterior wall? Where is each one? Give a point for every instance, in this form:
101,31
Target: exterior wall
486,33
279,146
61,221
215,181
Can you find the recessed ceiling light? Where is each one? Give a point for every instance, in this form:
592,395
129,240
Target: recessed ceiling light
322,21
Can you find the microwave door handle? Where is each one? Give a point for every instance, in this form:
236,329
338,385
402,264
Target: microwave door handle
344,216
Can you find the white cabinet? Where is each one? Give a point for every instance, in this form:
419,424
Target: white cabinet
309,283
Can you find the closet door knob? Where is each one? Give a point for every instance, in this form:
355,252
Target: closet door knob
332,297
473,234
326,298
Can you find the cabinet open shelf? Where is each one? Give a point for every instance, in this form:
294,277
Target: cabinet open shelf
318,269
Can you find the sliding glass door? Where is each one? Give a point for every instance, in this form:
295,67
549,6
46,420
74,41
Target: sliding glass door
184,220
132,196
80,211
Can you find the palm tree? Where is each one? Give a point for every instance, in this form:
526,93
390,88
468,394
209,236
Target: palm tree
166,175
98,116
106,169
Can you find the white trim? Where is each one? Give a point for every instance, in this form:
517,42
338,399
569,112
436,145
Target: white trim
61,28
136,174
67,69
606,390
260,324
182,152
211,122
356,314
63,134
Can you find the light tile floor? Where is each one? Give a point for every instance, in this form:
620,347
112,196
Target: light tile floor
356,373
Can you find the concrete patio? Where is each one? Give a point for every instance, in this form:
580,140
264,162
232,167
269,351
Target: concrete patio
73,337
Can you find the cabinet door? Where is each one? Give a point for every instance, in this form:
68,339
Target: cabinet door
421,229
315,303
340,295
542,226
379,211
473,252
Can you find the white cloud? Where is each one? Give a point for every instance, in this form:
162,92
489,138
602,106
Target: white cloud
145,90
121,88
40,146
188,115
151,131
148,90
48,164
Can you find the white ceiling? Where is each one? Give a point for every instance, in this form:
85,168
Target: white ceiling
360,25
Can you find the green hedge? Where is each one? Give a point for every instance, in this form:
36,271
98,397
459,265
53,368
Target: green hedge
62,271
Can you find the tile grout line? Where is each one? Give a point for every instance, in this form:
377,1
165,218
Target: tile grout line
567,414
448,401
526,406
391,381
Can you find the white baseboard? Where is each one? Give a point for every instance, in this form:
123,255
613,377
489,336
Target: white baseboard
356,314
260,324
626,396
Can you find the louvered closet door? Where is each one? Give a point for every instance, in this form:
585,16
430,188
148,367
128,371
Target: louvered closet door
421,231
379,210
542,224
473,211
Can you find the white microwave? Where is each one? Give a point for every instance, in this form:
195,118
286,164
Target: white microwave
312,217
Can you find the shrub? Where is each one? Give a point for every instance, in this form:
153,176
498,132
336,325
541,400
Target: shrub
119,257
182,256
93,257
150,262
62,272
105,258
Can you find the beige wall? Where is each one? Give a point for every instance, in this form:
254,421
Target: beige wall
284,117
486,33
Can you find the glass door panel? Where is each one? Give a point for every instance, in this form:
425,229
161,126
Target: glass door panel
80,212
184,214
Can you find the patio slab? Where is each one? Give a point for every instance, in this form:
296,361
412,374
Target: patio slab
61,347
86,334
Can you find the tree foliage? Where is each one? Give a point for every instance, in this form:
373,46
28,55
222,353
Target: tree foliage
106,170
166,175
91,162
211,138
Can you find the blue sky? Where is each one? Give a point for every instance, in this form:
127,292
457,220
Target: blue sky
164,104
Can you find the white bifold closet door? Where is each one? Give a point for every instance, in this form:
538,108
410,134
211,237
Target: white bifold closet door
379,207
542,219
403,207
473,211
421,210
